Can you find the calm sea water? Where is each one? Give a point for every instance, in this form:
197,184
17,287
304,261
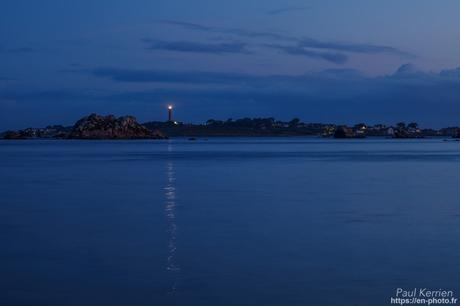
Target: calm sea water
292,221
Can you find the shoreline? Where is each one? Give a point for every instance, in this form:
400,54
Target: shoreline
98,127
209,137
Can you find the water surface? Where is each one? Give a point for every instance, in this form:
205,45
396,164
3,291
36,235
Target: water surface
227,221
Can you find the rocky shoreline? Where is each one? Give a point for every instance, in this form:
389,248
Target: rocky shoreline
126,127
95,127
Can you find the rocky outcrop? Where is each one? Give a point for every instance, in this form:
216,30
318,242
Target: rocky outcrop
457,135
401,134
13,135
110,127
343,132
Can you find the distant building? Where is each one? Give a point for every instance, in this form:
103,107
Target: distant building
379,127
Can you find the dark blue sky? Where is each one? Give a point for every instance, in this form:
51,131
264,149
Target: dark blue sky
324,60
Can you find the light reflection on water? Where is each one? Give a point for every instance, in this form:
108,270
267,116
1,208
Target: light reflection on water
170,213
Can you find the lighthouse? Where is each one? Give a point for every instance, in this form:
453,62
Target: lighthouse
170,108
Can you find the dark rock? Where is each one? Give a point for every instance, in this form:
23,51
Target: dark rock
400,133
109,127
343,132
457,135
11,135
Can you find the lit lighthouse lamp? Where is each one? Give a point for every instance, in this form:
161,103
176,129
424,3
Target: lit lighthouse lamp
170,119
170,113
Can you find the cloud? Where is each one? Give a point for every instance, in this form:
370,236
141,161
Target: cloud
20,50
230,31
299,42
333,52
406,69
6,79
50,95
220,78
406,72
287,10
196,47
335,95
154,76
451,73
188,25
352,48
334,57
